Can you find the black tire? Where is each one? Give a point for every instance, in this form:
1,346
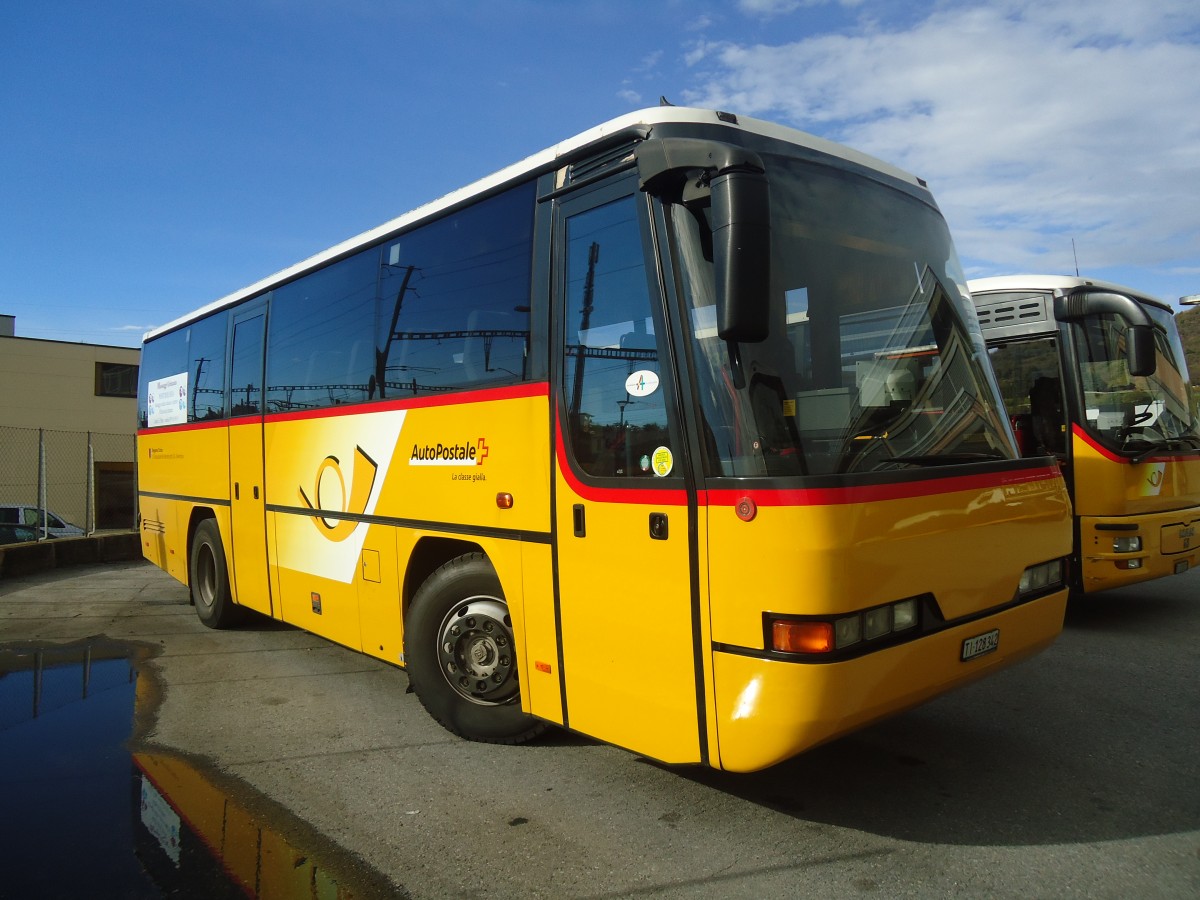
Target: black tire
208,579
459,652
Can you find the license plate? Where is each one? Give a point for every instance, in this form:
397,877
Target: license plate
980,644
1181,567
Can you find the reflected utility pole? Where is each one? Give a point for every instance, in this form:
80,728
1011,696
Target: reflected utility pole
585,322
381,359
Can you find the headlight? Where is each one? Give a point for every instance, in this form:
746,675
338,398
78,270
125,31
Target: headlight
1039,578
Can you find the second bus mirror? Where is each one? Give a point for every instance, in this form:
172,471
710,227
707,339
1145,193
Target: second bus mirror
741,229
1139,333
1139,350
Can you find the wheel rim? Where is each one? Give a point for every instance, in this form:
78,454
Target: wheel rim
206,577
475,650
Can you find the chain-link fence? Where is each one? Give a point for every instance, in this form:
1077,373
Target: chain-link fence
62,483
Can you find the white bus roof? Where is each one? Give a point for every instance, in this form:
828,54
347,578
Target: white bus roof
658,115
1050,283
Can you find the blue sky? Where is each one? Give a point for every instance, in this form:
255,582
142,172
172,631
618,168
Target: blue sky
155,156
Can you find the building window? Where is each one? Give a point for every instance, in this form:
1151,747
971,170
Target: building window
116,380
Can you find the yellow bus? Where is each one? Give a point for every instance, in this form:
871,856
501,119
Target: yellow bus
679,434
1094,374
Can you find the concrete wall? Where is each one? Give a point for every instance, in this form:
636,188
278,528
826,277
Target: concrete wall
52,384
48,399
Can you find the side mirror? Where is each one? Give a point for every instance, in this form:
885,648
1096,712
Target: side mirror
741,227
1139,336
741,223
1139,350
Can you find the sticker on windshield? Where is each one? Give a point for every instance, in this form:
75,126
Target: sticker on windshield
663,461
641,383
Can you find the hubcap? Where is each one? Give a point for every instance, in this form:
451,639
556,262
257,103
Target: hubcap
475,650
206,577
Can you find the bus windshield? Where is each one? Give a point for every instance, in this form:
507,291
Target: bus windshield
1134,412
874,360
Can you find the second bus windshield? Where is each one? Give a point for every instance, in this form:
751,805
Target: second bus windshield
1127,411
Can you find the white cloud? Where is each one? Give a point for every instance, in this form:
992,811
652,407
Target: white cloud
771,8
1034,122
650,61
768,7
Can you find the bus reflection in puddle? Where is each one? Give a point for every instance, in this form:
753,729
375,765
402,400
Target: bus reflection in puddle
83,818
193,837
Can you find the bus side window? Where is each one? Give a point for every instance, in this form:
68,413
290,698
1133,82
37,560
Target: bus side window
494,349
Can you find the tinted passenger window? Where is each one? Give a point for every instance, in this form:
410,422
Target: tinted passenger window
440,308
246,372
454,299
161,358
322,344
206,364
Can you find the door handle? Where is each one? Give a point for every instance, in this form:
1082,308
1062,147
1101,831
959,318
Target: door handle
658,526
578,520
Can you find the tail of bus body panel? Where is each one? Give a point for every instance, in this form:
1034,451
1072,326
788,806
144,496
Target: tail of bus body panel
178,483
923,590
1139,519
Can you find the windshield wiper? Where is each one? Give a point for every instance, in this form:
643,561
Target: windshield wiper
1183,442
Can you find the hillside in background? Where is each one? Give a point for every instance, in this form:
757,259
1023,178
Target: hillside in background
1189,334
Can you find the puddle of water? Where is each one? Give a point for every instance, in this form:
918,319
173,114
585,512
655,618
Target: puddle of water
83,817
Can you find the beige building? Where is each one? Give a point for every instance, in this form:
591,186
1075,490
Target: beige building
68,419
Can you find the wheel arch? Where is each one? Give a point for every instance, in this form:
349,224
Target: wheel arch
429,555
200,514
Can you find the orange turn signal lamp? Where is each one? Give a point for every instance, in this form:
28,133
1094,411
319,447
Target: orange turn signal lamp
826,636
791,636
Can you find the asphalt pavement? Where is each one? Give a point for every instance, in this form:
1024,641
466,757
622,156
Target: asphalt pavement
1074,774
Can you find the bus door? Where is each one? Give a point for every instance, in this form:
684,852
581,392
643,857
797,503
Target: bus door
247,494
624,508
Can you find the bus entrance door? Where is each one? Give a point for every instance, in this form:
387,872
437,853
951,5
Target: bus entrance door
247,514
625,584
629,663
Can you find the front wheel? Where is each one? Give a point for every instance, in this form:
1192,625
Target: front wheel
461,654
208,579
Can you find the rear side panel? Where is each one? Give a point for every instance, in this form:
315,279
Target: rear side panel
176,476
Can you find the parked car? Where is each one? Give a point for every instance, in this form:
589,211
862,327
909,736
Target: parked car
31,517
16,534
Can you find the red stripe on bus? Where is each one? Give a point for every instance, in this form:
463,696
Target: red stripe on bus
867,493
831,496
484,395
1112,456
636,492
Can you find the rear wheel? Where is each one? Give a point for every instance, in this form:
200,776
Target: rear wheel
460,654
208,578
